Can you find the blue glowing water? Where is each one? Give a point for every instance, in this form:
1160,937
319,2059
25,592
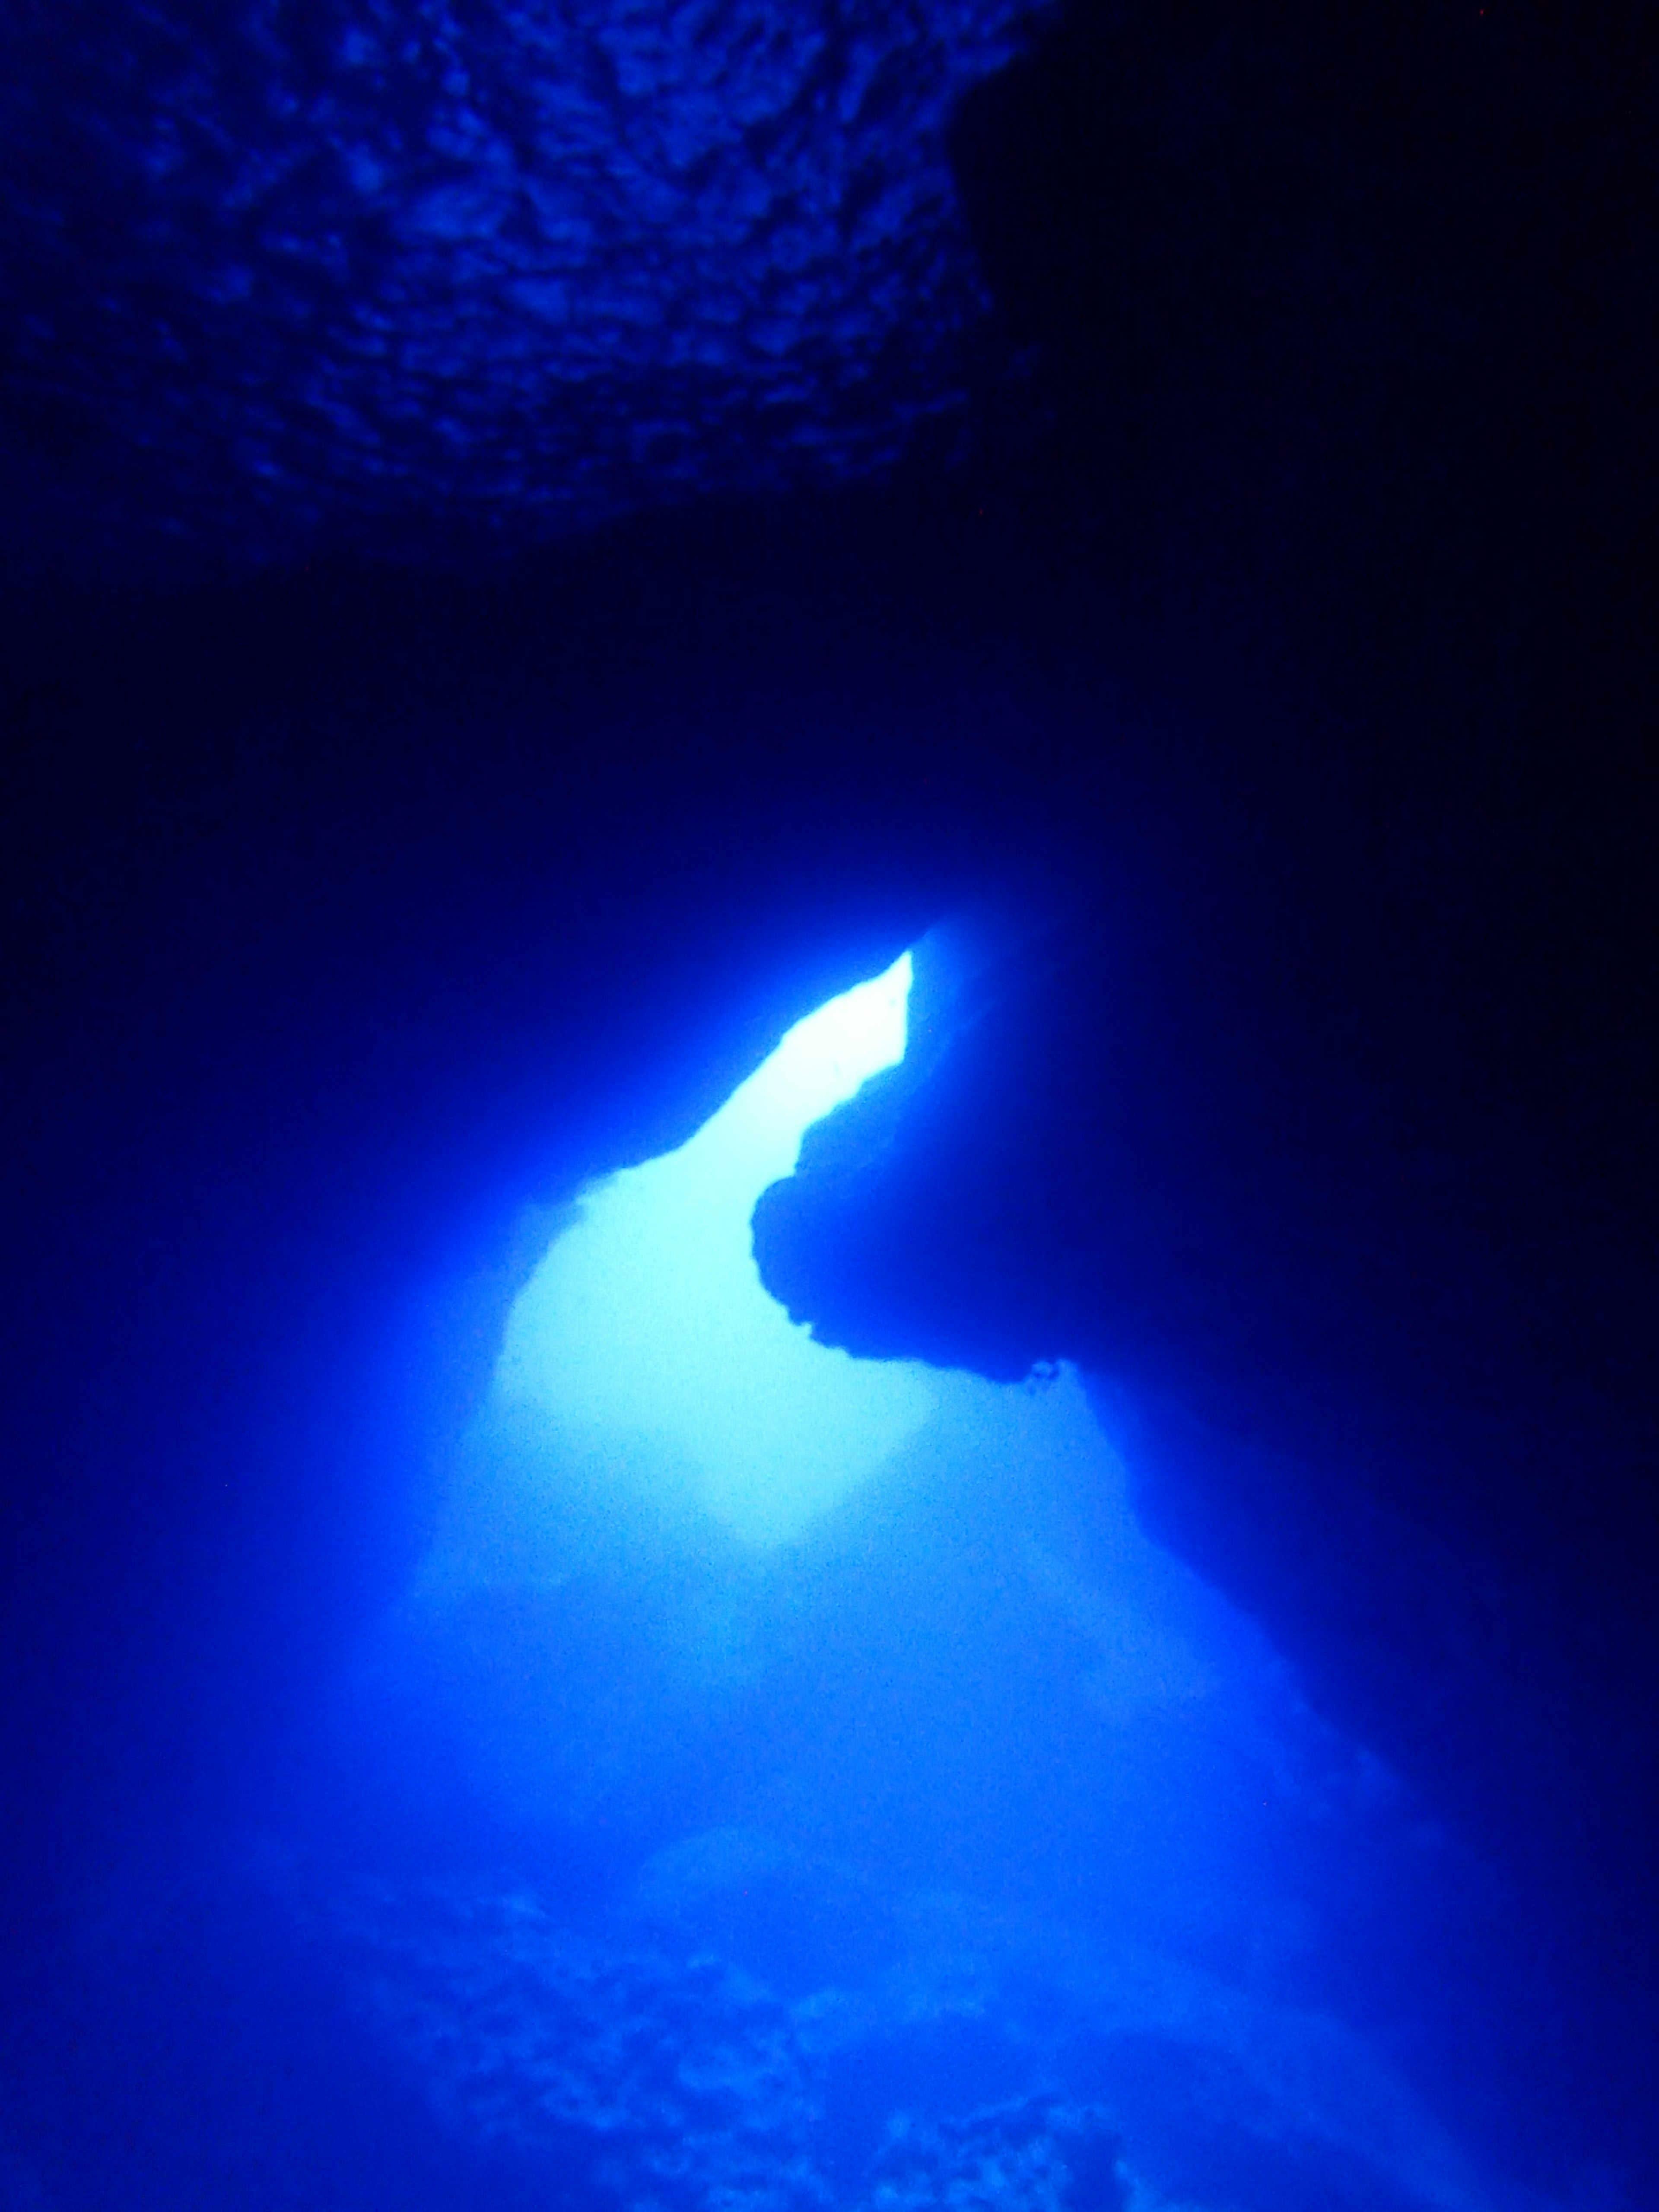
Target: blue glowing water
645,1340
877,1815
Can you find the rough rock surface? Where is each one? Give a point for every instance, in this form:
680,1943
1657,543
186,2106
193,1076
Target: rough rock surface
320,273
680,2081
1039,2154
677,2082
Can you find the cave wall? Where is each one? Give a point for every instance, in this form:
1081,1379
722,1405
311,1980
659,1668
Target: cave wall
1318,1128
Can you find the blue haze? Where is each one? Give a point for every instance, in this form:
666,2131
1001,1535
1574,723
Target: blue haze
915,1835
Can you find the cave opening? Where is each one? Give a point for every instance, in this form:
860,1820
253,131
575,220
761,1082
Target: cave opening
862,1682
646,1331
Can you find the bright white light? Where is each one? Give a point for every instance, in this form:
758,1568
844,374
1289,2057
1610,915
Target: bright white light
820,1064
645,1335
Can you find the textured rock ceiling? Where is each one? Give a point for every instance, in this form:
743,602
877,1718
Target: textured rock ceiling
319,269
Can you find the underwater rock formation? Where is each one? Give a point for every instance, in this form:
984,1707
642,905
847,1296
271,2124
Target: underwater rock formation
320,273
1309,505
677,2082
673,2081
1039,2154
